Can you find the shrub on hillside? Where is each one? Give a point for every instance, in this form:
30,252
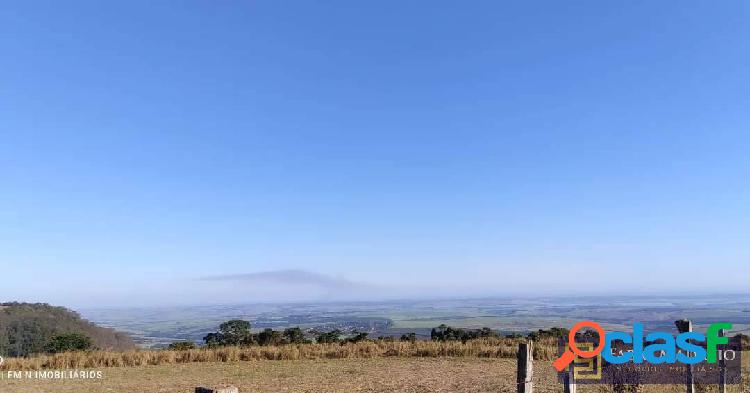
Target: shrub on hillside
294,336
447,333
269,337
358,337
555,332
69,342
410,337
182,346
333,336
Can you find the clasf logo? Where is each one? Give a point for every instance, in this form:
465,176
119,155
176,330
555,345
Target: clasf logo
664,347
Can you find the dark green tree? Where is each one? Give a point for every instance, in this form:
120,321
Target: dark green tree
333,336
235,329
234,332
182,345
410,337
555,332
69,342
358,337
269,337
447,333
294,336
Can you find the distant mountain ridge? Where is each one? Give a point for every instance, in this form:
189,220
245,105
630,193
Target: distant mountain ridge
26,328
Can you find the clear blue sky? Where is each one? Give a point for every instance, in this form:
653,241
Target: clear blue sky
405,147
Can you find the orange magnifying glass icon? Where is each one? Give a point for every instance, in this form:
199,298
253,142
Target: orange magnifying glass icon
563,361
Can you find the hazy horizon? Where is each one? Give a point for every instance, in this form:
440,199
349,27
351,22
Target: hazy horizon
192,152
303,287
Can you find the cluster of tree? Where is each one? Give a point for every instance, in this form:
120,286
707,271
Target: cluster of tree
555,332
333,336
182,346
69,342
406,337
409,337
447,333
357,337
30,328
237,332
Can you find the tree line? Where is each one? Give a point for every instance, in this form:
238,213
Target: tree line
238,333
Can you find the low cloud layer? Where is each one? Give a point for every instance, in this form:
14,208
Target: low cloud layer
292,278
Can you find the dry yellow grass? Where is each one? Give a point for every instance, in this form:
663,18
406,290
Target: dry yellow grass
415,375
374,375
368,367
484,348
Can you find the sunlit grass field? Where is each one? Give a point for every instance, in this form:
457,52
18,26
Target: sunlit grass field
479,348
410,375
486,365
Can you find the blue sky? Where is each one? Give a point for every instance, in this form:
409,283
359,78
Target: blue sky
152,151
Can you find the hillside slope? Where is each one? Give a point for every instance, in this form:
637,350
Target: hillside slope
25,328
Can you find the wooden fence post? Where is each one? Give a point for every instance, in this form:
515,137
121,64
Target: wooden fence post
685,326
525,369
228,389
570,381
722,367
